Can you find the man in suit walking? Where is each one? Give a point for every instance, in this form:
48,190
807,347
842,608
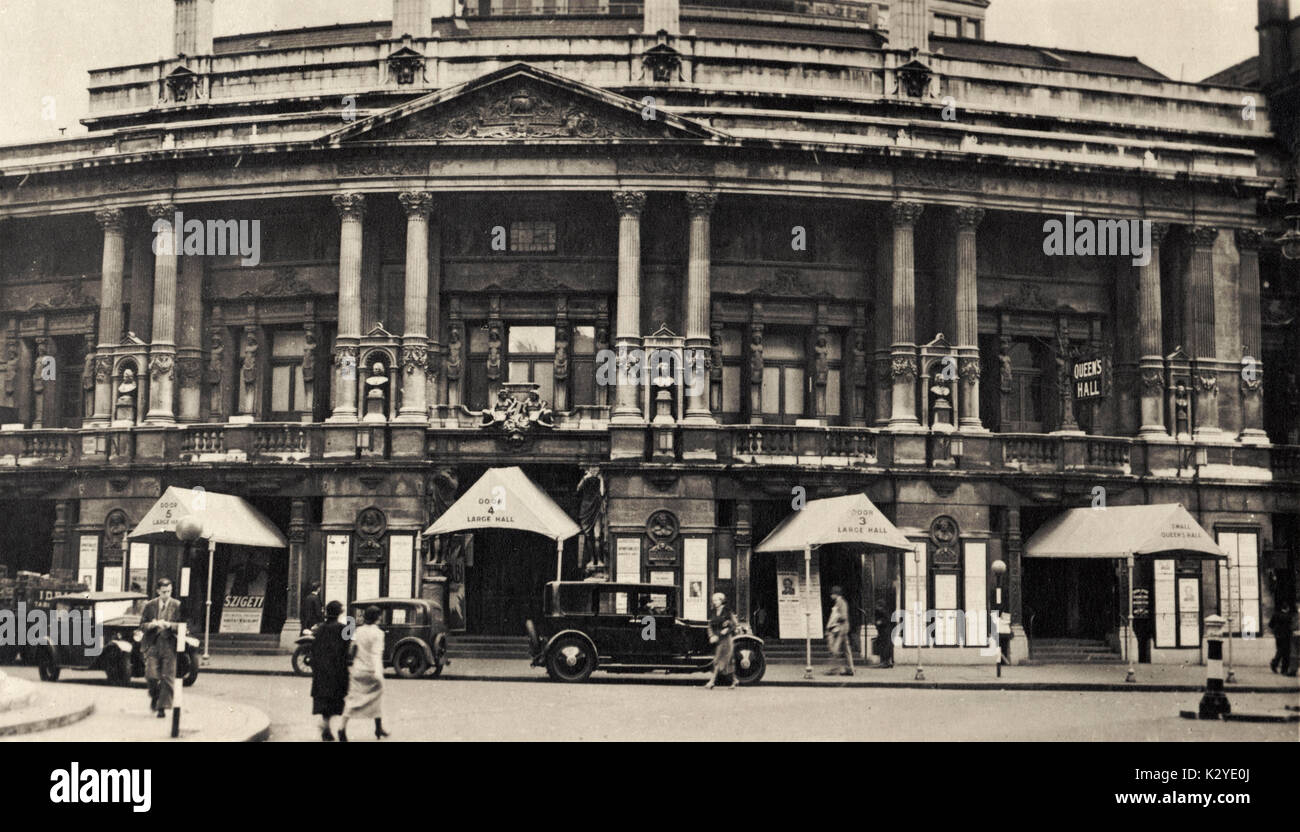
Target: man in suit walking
837,633
158,620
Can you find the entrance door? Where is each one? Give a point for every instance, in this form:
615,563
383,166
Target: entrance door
1070,597
504,585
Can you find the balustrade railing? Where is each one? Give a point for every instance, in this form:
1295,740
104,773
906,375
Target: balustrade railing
203,439
1031,450
280,439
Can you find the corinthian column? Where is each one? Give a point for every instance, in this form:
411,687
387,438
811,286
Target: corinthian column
1199,330
903,215
1252,368
968,349
162,351
627,335
415,342
698,302
351,208
1151,365
113,221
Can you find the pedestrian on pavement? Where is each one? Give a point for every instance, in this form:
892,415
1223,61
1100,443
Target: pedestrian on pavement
311,614
158,621
837,635
1280,624
329,669
722,631
884,638
366,685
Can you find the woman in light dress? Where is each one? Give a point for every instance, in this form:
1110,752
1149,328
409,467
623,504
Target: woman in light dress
366,676
722,631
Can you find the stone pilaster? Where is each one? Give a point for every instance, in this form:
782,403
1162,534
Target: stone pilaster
113,221
189,350
1251,384
162,350
967,298
351,208
1150,344
415,341
698,306
1198,330
290,632
903,216
627,334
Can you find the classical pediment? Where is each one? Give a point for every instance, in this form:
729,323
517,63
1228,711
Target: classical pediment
524,103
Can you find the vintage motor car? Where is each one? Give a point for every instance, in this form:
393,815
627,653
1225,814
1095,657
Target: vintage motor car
627,628
415,636
113,647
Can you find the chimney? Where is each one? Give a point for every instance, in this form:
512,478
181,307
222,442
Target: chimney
1273,59
909,25
412,17
192,26
662,15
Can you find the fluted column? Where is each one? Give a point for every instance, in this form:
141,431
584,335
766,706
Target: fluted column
113,221
351,208
1251,384
903,216
1151,365
189,343
968,341
1199,330
627,335
698,306
162,350
415,341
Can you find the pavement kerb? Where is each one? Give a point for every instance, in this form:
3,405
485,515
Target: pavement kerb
1108,687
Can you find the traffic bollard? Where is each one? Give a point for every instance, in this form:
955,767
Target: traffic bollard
1214,703
179,683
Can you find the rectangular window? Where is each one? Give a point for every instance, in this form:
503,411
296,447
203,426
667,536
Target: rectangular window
975,557
583,369
784,377
1239,580
532,236
531,354
288,392
733,402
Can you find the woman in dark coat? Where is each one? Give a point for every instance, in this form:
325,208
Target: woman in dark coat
329,669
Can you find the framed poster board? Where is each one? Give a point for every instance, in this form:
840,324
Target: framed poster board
627,559
695,578
336,568
88,560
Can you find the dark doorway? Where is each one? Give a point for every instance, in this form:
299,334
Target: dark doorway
1070,598
25,535
504,584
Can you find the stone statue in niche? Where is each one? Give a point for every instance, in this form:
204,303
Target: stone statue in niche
127,389
376,392
1182,411
248,374
591,519
215,360
88,379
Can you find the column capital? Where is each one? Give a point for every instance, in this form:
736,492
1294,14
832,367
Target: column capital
700,203
112,220
905,213
1159,230
1203,236
351,206
1248,239
162,210
969,217
417,204
629,203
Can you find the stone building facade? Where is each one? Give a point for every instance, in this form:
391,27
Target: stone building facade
838,230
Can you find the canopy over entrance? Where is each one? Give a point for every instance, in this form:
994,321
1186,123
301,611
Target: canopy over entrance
504,498
225,518
848,519
1120,531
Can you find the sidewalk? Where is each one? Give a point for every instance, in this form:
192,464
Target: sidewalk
62,712
1075,677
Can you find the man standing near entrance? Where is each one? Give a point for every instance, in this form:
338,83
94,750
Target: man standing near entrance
158,620
837,633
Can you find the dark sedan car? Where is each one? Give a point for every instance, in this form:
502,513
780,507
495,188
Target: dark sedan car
415,636
626,628
101,631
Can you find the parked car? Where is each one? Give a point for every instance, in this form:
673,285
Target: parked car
626,628
114,648
415,636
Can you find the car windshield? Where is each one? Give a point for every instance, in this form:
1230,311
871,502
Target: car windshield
108,610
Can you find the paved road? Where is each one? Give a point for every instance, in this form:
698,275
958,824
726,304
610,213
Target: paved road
678,709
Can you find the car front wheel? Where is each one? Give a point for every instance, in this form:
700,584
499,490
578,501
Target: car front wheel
750,664
571,660
46,667
410,662
302,660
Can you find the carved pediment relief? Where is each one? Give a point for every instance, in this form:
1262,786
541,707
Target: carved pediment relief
520,102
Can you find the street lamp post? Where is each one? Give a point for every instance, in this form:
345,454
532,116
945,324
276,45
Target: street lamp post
188,530
920,636
999,569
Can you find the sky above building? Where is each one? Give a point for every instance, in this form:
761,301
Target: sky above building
48,46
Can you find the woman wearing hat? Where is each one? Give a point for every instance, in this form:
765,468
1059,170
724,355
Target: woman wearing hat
722,631
329,669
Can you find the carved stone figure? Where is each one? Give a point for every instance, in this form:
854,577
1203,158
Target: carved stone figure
309,356
124,409
216,360
376,390
88,379
1005,376
455,358
591,516
494,351
1182,410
